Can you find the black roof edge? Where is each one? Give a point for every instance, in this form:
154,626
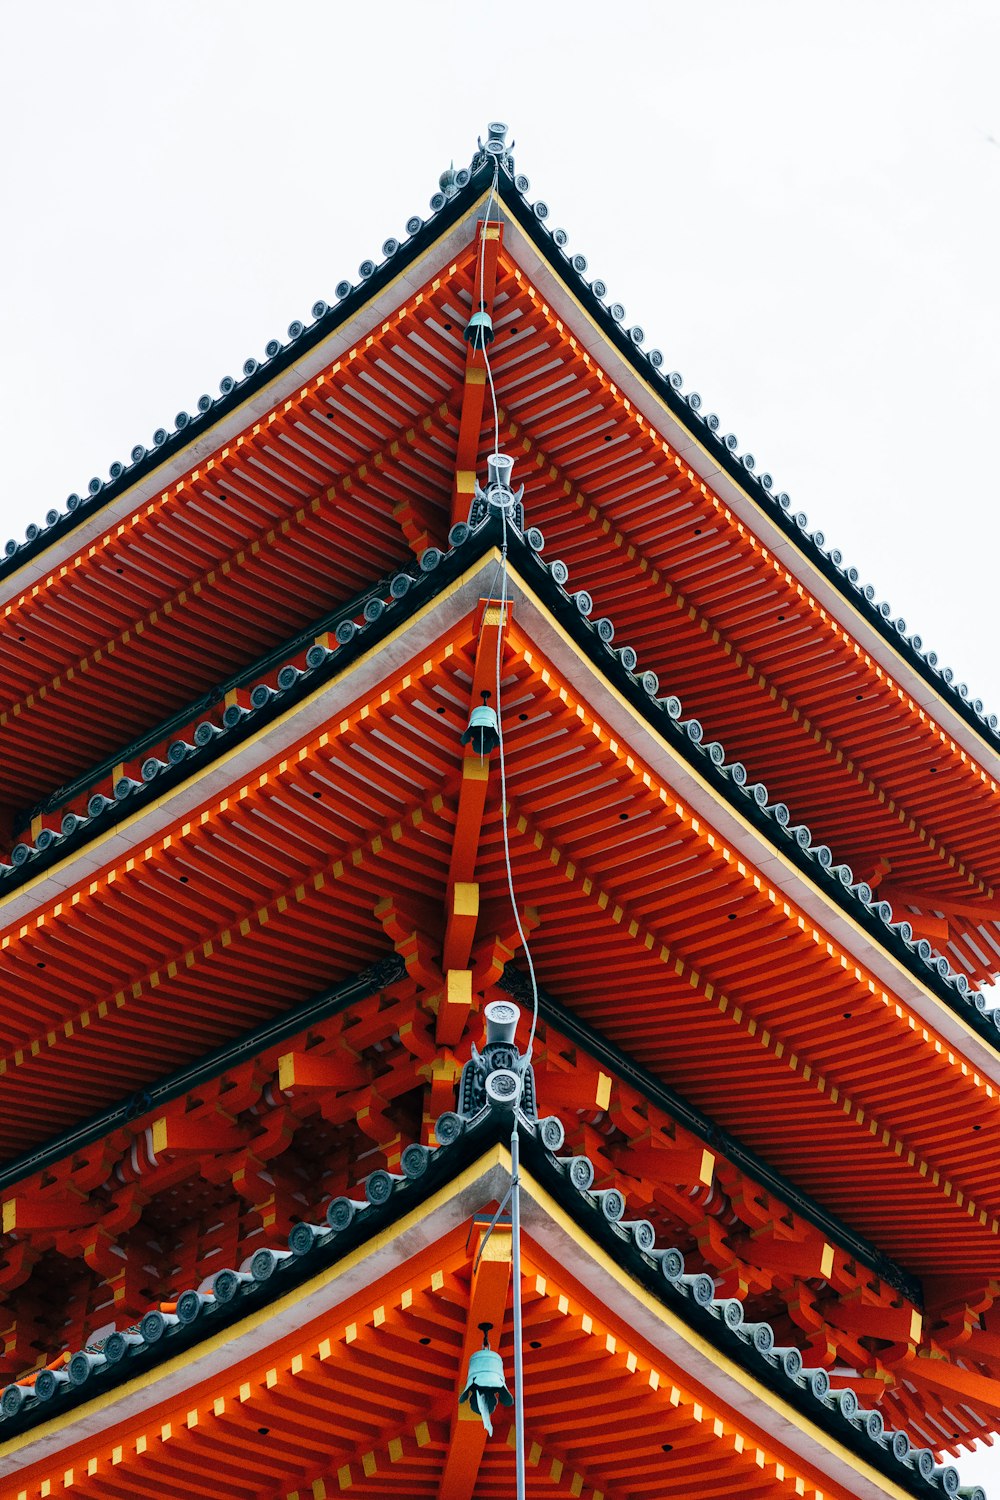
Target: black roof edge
446,210
758,487
772,820
377,976
640,689
699,1309
327,319
429,577
707,1321
275,656
161,1091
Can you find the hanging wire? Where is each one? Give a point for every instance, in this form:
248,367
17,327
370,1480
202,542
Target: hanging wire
514,1194
482,304
503,620
498,569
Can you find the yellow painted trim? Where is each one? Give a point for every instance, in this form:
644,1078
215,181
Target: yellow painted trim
743,822
606,686
115,834
496,1156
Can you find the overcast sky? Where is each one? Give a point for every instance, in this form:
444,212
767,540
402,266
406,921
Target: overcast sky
798,203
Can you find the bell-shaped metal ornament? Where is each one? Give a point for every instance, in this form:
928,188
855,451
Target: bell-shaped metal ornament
479,330
483,733
485,1385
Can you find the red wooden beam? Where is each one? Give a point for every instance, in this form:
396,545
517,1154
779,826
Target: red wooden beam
487,1304
490,238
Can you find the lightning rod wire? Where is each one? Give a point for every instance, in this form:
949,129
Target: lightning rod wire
515,1184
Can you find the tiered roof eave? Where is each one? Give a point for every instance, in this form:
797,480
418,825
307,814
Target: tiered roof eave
583,304
675,1317
163,815
740,809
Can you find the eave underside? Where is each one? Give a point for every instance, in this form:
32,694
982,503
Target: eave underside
352,1383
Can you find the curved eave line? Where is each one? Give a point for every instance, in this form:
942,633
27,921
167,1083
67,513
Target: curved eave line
858,927
369,302
353,667
663,1097
813,886
297,1021
739,484
463,1179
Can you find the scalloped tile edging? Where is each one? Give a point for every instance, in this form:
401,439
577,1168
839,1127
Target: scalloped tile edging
87,1369
833,877
452,186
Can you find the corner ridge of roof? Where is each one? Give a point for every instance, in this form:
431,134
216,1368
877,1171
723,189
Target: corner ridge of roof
415,582
455,191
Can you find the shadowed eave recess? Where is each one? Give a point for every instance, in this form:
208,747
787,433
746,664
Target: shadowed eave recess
341,456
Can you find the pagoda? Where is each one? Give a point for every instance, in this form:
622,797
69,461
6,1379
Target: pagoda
441,749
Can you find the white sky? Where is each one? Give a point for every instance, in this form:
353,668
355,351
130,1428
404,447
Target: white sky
799,204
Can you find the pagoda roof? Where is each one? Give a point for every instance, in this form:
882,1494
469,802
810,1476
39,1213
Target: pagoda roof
736,475
62,1061
344,463
134,1110
233,1319
286,676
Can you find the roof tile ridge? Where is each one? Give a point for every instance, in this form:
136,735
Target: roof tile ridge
348,296
759,483
456,186
619,541
352,624
490,1103
731,777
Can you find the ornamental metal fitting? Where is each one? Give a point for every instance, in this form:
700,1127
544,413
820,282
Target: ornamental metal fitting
498,495
498,1075
496,148
498,1080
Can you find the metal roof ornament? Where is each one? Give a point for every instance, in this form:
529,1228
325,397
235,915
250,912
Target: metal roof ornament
498,495
499,1079
498,1074
496,148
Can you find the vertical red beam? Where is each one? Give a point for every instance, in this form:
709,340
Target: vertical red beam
462,896
489,235
487,1304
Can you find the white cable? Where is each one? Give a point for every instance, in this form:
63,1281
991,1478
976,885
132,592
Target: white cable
503,810
482,304
503,620
515,1202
